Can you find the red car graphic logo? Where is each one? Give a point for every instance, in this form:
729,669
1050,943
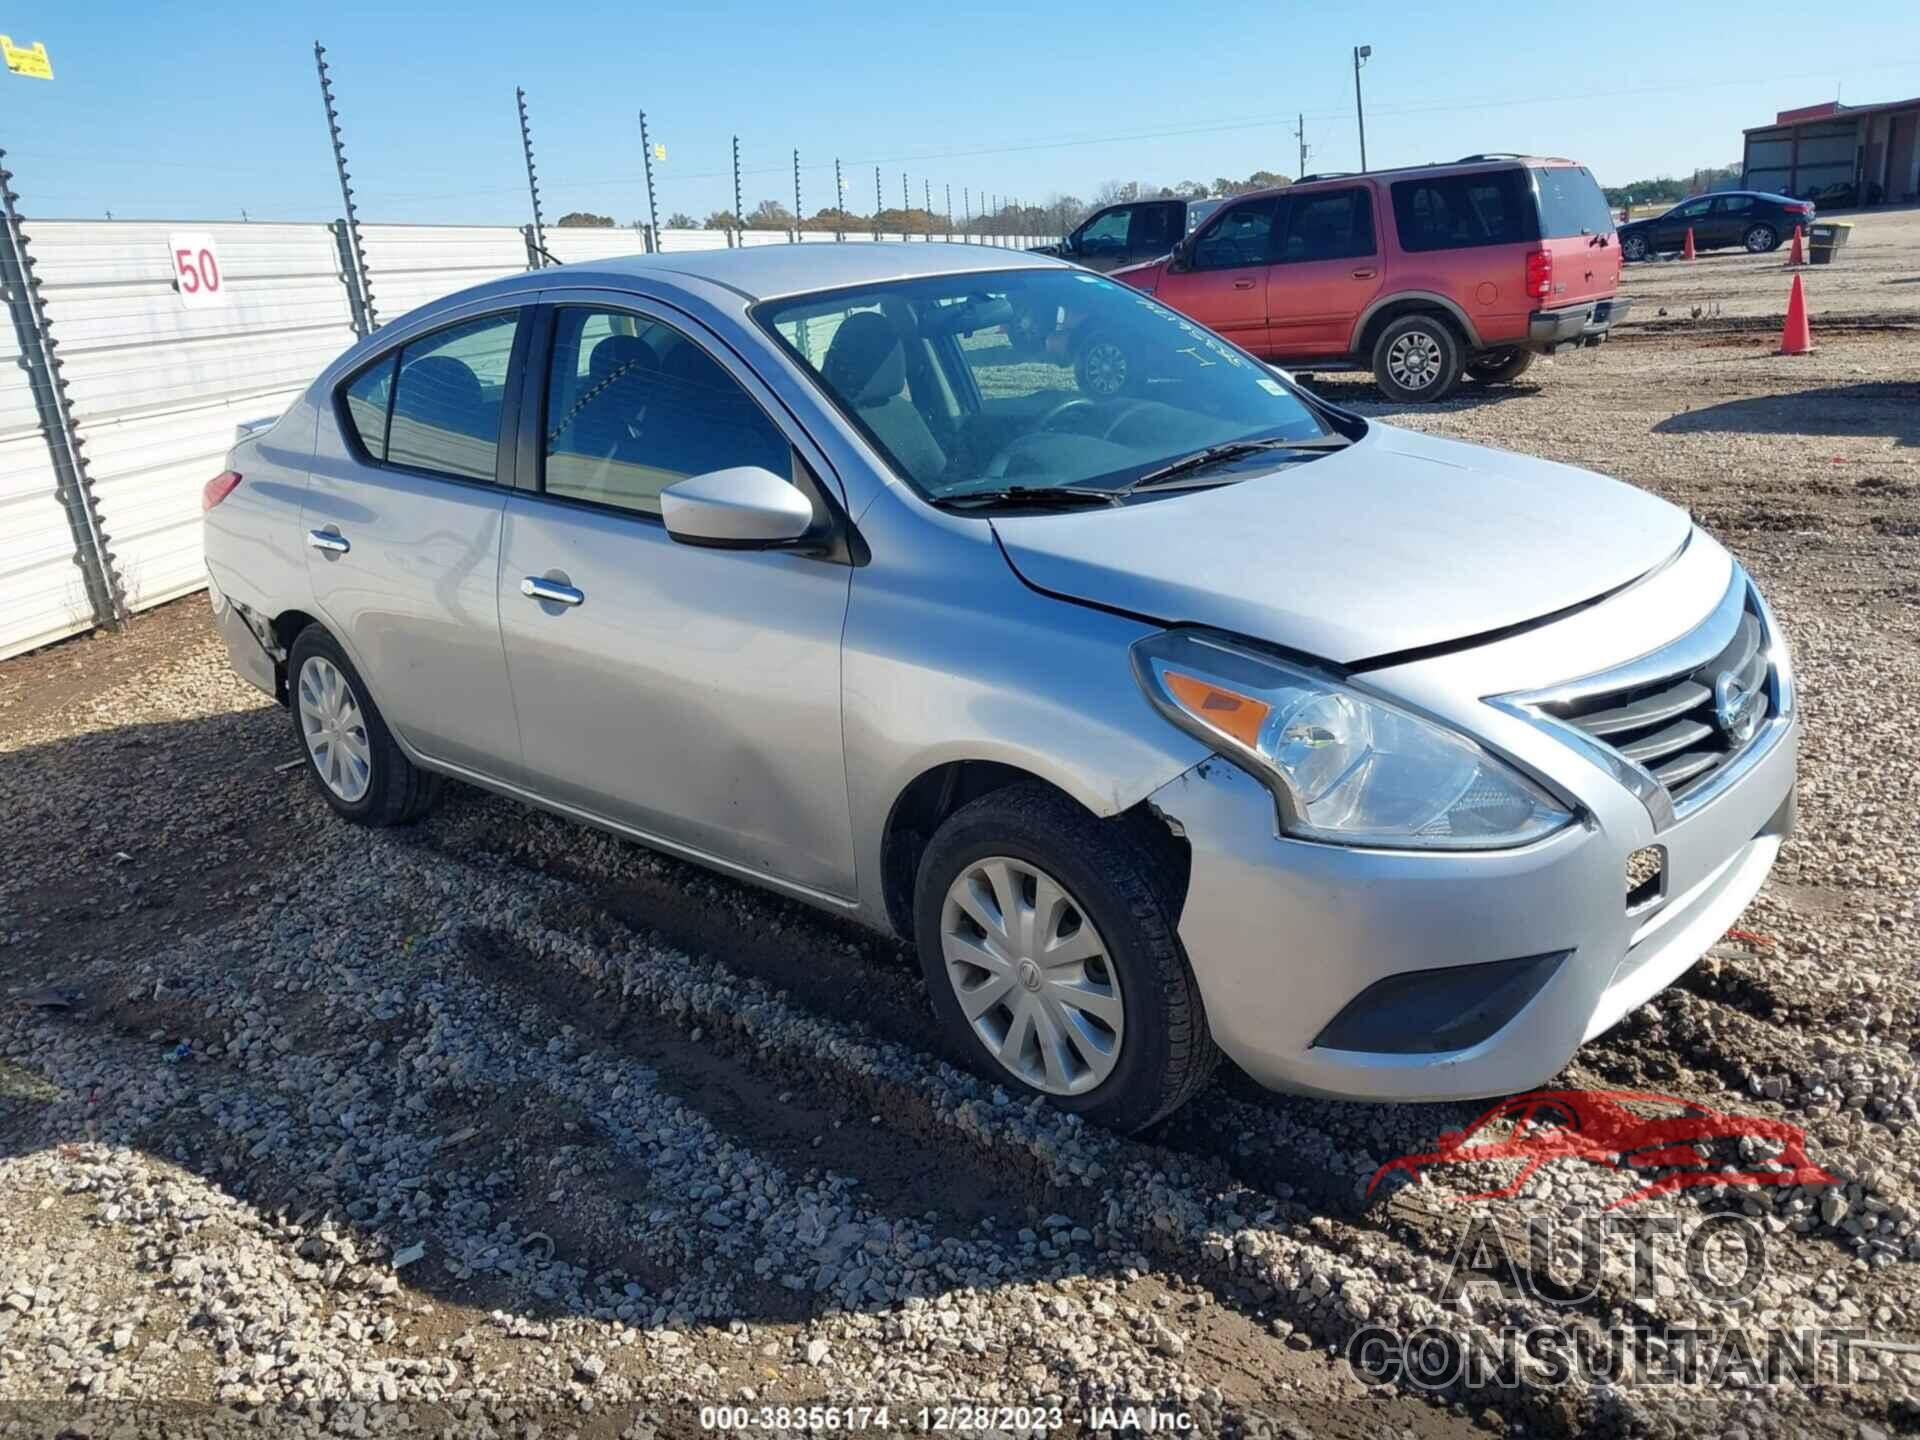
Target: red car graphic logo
1597,1127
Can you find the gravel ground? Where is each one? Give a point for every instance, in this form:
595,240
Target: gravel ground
498,1125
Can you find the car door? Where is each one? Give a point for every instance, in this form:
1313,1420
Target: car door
1155,229
1221,281
1326,269
1728,220
402,518
1670,230
688,694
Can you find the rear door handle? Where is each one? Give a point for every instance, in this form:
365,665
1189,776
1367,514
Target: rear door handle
1366,272
1244,284
331,541
535,588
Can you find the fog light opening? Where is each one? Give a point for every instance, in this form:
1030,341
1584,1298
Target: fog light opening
1646,878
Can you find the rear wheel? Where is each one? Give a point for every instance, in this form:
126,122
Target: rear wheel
1762,238
1417,358
1047,939
1633,247
352,756
1498,366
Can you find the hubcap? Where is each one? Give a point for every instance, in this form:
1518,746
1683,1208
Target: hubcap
336,731
1759,240
1106,369
1032,976
1413,360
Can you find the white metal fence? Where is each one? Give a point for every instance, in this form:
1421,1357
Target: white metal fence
155,385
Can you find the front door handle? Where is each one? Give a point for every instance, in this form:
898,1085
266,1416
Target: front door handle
536,588
1365,272
331,541
1244,284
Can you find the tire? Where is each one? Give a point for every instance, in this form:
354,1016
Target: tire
1760,239
1499,366
1634,247
358,769
1104,368
1125,1075
1417,359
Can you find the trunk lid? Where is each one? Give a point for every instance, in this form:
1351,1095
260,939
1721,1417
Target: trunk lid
1397,542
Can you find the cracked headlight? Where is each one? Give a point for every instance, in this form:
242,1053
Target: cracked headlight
1346,769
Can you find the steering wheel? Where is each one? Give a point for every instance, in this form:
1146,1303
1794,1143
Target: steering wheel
1127,411
1072,402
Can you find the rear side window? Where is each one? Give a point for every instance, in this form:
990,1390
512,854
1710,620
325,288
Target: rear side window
1571,203
447,397
1336,225
1454,212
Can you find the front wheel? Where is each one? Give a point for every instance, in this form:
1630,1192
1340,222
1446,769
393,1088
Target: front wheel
1761,239
1633,247
1103,368
1047,937
1417,358
352,756
1499,366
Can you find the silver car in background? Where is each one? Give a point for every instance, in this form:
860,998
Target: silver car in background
1207,717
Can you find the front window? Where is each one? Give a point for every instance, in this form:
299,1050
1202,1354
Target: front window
1032,381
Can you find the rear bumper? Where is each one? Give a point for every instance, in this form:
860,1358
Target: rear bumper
245,648
1588,324
1283,935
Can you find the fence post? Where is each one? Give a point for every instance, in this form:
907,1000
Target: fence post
356,254
533,182
350,275
653,217
739,208
37,346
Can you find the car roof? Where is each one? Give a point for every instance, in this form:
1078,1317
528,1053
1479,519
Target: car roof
762,272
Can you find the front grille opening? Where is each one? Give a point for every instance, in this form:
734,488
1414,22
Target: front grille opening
1682,728
1646,877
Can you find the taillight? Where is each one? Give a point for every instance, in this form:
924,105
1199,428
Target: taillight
1800,209
1539,273
218,488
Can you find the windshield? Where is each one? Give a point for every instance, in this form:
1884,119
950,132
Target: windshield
1034,379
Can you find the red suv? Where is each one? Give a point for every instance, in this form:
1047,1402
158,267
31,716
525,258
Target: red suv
1420,275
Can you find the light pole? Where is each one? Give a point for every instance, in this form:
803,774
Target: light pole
1361,54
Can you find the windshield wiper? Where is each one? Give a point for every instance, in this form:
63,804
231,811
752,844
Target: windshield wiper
1031,495
1231,450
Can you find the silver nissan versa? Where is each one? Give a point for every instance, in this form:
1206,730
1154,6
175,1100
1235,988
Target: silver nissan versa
1200,717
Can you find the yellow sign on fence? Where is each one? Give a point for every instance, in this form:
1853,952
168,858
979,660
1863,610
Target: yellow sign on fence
30,61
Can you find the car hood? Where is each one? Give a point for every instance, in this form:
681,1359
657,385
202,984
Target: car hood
1398,542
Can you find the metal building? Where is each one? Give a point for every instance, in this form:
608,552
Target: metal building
1875,149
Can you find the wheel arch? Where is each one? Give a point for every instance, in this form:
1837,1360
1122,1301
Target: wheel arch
938,791
1389,308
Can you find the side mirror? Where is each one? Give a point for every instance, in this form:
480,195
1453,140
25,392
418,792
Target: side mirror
1182,249
743,508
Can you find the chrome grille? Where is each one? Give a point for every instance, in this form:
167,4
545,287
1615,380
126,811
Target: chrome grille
1682,727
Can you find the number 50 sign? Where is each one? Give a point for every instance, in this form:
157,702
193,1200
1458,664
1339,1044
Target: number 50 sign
196,269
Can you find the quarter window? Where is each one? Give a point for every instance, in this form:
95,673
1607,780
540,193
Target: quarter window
634,405
1334,226
367,396
445,412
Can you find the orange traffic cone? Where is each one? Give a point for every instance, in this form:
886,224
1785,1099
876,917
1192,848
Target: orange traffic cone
1796,337
1686,252
1799,255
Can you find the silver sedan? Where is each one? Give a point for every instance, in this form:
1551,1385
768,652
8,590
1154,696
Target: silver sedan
1186,716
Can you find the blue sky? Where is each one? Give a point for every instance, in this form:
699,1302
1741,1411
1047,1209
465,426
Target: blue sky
202,111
